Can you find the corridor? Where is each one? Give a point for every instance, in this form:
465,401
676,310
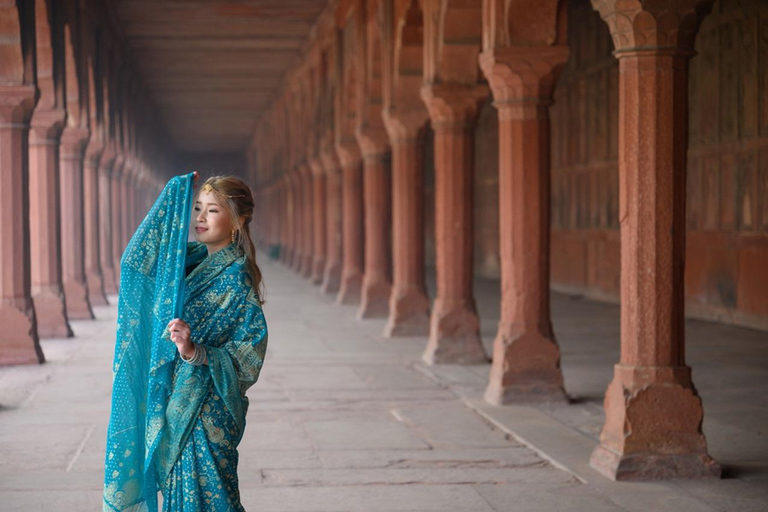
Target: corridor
343,419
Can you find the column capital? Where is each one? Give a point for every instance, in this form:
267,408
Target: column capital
73,141
372,141
348,152
404,125
454,104
316,166
635,24
522,78
330,161
46,125
16,104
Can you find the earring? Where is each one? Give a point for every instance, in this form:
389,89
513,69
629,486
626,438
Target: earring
233,235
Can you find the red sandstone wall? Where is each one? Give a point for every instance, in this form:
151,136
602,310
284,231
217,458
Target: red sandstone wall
727,258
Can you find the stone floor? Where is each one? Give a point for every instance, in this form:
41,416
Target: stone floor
343,419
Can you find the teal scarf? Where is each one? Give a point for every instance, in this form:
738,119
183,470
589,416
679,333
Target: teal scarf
163,409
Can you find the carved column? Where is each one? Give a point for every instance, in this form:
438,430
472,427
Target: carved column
298,220
91,201
408,303
19,343
653,413
307,227
44,224
117,211
526,358
319,226
106,164
332,271
454,335
377,190
71,151
352,200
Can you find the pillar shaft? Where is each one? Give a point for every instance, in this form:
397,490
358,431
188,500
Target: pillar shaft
117,210
319,227
653,414
333,260
105,222
408,303
91,200
307,226
377,184
526,358
72,219
454,335
19,343
352,200
45,227
298,221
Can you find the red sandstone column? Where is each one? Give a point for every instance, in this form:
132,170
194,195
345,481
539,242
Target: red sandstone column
307,231
93,275
289,222
106,165
319,204
128,214
653,414
44,227
332,271
116,213
408,303
526,358
298,220
352,197
377,185
19,342
71,151
454,335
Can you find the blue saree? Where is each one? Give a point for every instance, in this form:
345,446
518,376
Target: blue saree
175,427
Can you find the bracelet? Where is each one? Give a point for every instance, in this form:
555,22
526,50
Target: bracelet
198,358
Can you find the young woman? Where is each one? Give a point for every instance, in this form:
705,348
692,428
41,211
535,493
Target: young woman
191,339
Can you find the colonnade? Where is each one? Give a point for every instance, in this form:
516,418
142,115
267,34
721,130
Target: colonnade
340,183
80,151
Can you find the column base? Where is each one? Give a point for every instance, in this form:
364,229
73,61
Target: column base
96,294
454,335
20,343
318,266
526,366
286,256
350,289
50,311
332,278
652,428
408,314
78,305
108,275
306,266
374,302
653,466
296,259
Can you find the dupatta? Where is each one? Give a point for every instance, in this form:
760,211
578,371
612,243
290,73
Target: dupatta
152,282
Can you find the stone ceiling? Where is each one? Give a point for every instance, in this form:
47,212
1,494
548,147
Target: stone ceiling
213,65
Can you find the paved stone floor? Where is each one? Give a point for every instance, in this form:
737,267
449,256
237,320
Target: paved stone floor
343,419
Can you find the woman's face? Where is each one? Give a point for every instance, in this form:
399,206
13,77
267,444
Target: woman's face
211,222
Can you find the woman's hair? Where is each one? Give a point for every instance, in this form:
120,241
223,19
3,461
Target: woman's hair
235,195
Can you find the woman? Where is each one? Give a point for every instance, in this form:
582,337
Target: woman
191,339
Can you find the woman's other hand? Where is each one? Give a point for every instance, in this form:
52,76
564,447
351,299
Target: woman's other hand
180,333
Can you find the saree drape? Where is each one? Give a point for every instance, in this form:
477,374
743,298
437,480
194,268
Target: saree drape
174,426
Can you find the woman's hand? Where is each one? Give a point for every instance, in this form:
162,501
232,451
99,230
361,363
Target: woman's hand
180,334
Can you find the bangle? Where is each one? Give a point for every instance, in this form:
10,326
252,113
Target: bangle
198,358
